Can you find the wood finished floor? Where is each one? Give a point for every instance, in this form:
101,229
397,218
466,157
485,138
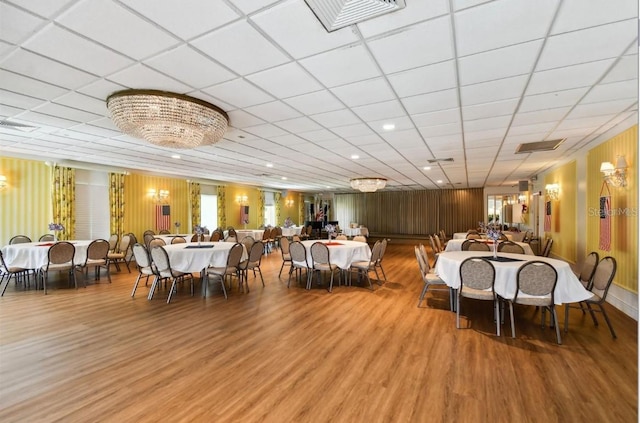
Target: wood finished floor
291,355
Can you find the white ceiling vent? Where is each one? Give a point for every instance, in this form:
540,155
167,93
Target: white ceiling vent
532,147
336,14
17,126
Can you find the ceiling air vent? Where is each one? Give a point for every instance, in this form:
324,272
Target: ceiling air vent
532,147
336,14
17,126
448,159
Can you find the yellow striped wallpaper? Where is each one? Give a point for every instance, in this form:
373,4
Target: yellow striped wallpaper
563,212
624,205
25,204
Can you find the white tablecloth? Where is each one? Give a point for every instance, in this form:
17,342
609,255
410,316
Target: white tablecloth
568,289
344,254
191,259
33,255
168,238
456,245
243,233
291,231
463,235
351,231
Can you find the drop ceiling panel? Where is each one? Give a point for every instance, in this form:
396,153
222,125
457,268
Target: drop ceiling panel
341,66
239,93
336,118
17,25
403,17
285,81
242,119
552,100
486,92
577,14
424,79
313,103
431,102
582,75
153,79
441,117
615,90
365,92
625,68
485,110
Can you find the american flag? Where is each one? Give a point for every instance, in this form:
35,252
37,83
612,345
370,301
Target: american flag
244,215
605,223
320,214
163,217
547,217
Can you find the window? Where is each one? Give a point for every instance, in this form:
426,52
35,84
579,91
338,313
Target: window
208,211
92,205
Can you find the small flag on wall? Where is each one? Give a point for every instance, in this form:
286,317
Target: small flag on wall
605,219
244,214
547,217
163,217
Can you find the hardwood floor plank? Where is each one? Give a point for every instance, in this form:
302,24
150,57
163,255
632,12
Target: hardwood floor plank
282,354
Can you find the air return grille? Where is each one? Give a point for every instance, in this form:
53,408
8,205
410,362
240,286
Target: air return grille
532,147
336,14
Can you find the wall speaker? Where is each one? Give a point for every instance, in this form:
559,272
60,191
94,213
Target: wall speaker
523,186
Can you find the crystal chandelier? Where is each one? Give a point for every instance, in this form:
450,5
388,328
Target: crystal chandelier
167,119
368,184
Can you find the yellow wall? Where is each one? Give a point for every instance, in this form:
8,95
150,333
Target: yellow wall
25,204
624,205
563,212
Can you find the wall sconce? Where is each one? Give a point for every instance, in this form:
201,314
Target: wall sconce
3,182
159,196
616,176
553,191
242,200
288,202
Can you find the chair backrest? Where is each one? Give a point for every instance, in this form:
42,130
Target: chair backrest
527,237
384,248
132,238
341,237
547,247
473,245
61,252
424,254
164,232
424,267
195,238
603,276
277,231
19,239
436,238
364,231
148,238
113,242
477,273
256,250
98,250
160,259
235,255
266,235
360,238
178,240
433,245
536,278
298,252
443,235
503,237
472,235
309,230
248,242
215,236
47,237
589,268
376,252
284,245
295,238
156,242
232,232
510,247
141,254
148,232
319,253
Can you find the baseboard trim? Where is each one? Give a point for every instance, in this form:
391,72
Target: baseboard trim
624,300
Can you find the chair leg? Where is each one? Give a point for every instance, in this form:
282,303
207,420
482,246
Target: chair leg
566,316
173,286
512,319
606,318
496,307
554,316
135,285
423,293
593,314
458,311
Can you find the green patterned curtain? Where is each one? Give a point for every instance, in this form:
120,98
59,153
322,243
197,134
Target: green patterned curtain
64,200
301,218
194,202
222,206
277,198
116,203
261,201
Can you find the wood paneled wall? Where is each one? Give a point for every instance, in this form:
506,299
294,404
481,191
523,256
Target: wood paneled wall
624,206
412,212
26,201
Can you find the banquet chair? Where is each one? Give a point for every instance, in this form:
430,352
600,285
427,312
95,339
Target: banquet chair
164,271
47,237
231,239
547,247
196,238
477,279
232,232
19,239
148,232
143,261
97,253
322,263
156,242
537,281
231,269
164,232
252,263
600,284
248,241
6,273
434,250
585,276
215,236
527,237
286,255
267,239
113,242
503,237
60,257
428,277
341,237
473,245
277,236
147,239
363,268
359,238
178,240
298,261
510,247
364,232
378,263
438,242
296,237
120,256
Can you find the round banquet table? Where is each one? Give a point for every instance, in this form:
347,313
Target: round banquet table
168,238
291,231
34,255
463,235
568,289
188,258
341,253
456,245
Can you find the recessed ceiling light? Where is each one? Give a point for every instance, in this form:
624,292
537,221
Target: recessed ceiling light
426,168
389,126
284,178
175,156
328,187
355,156
269,164
439,181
